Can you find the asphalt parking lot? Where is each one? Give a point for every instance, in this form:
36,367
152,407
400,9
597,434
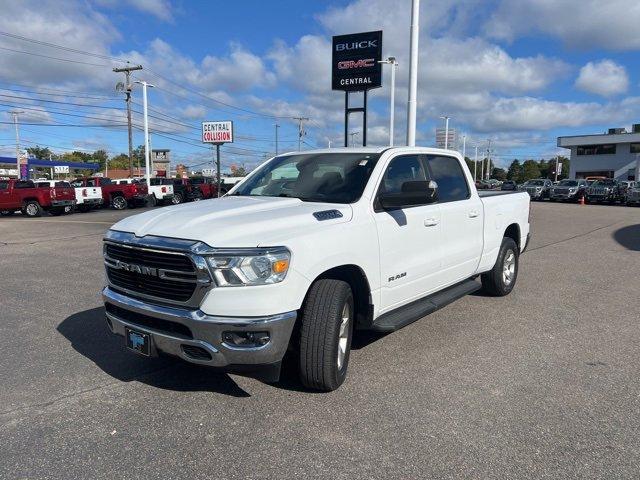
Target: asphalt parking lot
540,384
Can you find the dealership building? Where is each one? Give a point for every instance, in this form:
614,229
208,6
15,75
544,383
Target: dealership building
615,154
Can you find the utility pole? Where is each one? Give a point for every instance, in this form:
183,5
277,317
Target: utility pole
277,127
301,131
15,114
464,147
394,65
353,135
489,159
329,141
475,166
413,73
146,131
127,89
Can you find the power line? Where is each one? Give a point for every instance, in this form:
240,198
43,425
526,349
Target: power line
54,58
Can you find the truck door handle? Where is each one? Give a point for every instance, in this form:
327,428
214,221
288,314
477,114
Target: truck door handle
431,222
473,214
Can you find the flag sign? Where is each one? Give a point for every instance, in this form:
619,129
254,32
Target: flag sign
217,132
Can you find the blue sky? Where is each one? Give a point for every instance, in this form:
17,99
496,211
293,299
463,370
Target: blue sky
520,73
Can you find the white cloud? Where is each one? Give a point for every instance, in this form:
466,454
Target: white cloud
605,78
161,9
579,23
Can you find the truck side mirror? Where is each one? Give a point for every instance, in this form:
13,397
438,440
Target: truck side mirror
412,194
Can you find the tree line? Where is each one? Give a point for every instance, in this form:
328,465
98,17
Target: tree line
520,172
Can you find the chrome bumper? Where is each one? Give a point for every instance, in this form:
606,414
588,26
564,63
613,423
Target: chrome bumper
206,332
62,203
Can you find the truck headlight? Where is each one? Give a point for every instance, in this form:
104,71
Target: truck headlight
238,267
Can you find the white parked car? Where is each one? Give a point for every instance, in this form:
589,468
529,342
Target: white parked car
87,198
311,247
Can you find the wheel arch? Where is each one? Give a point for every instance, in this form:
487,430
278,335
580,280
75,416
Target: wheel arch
513,232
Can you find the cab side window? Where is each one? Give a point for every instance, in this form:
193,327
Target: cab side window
406,168
448,174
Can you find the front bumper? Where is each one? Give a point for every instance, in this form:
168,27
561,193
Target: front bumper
172,329
564,196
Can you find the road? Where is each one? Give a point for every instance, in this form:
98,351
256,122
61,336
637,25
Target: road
542,383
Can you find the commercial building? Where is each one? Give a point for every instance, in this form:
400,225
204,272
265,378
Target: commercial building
615,154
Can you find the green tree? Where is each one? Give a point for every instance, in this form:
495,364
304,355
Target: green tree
499,174
515,171
41,153
530,170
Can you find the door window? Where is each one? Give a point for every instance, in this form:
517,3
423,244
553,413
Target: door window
406,168
448,174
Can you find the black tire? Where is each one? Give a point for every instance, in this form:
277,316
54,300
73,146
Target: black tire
83,208
321,366
152,201
118,202
498,282
197,197
32,209
177,199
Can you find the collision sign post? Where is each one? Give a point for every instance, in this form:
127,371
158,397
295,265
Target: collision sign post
217,133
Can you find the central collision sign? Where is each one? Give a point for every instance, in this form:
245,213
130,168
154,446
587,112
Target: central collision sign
217,132
355,61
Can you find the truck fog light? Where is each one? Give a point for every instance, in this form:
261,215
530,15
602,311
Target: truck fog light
245,339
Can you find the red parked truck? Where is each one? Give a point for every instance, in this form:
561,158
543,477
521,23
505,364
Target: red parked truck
119,196
23,195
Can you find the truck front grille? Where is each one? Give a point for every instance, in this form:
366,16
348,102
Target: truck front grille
154,274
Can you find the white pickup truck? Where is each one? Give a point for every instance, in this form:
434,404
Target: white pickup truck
160,191
86,197
309,248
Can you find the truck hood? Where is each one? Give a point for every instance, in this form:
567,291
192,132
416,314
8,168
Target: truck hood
235,221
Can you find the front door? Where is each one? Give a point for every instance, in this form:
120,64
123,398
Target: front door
409,238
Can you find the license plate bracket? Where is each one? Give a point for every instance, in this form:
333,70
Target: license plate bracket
139,342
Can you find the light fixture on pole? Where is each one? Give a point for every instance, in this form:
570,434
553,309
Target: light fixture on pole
394,64
446,131
413,73
146,130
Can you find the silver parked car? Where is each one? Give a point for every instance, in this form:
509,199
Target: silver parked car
632,196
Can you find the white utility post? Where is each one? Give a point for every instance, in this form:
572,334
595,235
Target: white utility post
464,146
15,114
482,169
413,73
446,131
146,132
489,159
475,166
394,64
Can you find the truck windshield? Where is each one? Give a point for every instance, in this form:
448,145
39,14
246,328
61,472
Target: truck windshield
314,177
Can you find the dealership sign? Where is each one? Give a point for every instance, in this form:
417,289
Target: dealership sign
60,169
355,62
217,132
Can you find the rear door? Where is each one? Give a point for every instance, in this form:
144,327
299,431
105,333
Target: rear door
462,213
409,238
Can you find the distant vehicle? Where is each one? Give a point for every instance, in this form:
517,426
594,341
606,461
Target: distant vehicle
204,188
483,185
32,200
493,183
86,197
117,196
160,191
508,185
601,191
569,190
538,189
632,195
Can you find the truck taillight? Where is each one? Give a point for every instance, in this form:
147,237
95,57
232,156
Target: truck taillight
163,189
84,192
53,193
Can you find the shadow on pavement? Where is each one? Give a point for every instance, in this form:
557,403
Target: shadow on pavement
628,237
89,335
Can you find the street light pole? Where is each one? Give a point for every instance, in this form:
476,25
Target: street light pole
446,131
475,166
413,73
15,114
146,130
277,127
464,146
394,64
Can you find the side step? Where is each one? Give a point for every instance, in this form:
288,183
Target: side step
403,316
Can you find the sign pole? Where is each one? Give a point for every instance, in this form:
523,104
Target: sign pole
218,167
346,118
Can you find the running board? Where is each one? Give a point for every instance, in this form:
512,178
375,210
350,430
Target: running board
403,316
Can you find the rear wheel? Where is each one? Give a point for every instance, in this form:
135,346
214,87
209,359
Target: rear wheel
197,196
325,334
501,279
152,201
118,202
177,199
32,209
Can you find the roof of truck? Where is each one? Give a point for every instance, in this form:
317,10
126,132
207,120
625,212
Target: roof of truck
378,150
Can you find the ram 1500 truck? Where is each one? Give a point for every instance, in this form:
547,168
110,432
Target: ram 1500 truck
87,198
160,191
31,200
307,249
117,196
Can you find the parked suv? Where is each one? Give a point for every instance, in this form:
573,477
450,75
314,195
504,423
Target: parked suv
632,196
538,189
606,190
508,185
569,190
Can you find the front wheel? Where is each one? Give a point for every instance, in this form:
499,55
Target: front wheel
177,199
501,279
325,334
